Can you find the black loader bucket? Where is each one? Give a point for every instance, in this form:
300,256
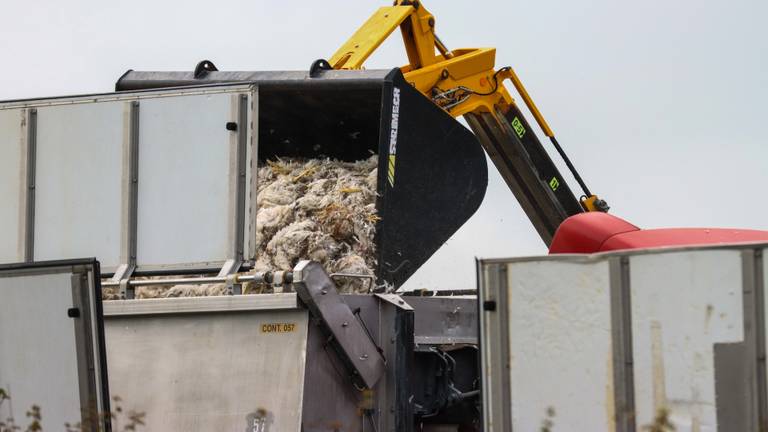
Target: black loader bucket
432,173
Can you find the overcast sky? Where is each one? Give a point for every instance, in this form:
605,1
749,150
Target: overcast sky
661,104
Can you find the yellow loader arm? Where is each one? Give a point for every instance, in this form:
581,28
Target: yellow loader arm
464,82
463,73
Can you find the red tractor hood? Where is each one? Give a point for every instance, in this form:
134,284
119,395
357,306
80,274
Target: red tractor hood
600,232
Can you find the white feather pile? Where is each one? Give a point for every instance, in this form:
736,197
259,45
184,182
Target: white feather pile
318,209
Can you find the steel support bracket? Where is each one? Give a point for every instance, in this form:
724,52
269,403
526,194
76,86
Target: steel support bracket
234,287
344,331
123,276
126,291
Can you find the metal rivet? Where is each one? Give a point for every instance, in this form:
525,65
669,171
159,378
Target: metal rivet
324,292
344,324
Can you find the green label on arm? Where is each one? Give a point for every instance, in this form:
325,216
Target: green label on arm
554,184
517,125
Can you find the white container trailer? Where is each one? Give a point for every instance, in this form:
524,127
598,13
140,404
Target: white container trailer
164,180
620,341
148,180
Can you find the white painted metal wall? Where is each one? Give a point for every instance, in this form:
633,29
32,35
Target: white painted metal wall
11,172
560,366
48,356
607,342
682,305
184,166
78,187
187,200
34,326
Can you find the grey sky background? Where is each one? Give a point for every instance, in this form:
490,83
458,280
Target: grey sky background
660,104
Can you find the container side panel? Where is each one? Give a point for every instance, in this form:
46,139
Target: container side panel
78,182
764,322
211,372
683,304
11,162
38,357
494,337
184,166
251,185
561,348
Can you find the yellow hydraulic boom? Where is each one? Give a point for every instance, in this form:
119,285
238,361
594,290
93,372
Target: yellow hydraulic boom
464,82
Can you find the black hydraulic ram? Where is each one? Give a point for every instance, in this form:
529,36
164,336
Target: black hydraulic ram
525,165
526,168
